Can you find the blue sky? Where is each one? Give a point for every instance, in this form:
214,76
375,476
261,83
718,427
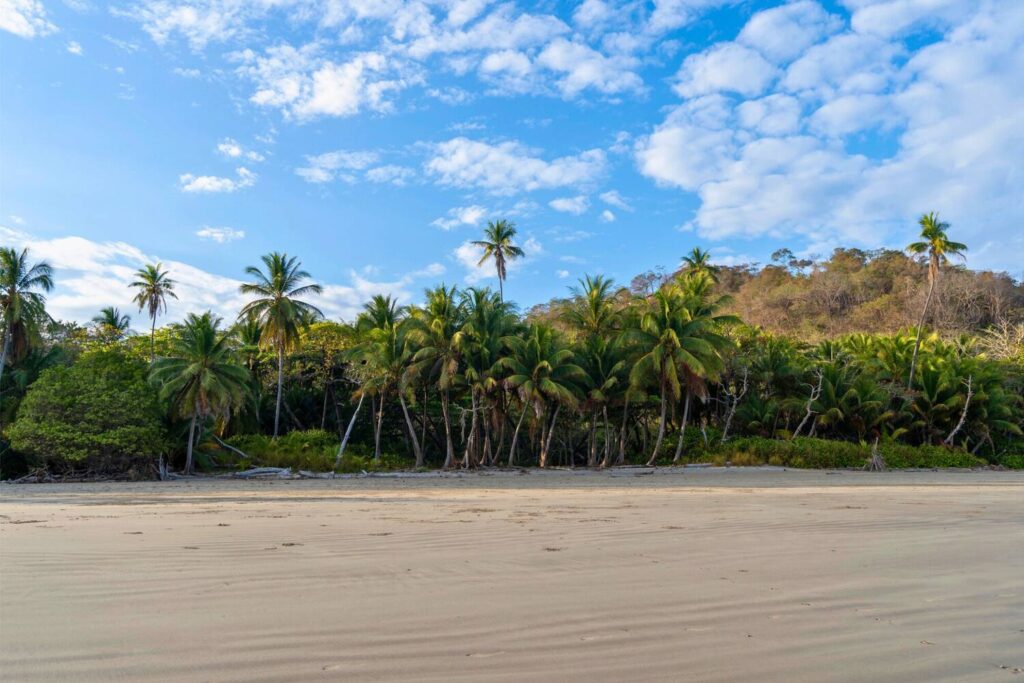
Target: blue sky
375,138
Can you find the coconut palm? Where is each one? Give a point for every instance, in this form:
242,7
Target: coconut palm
936,248
699,261
384,352
542,368
279,310
152,289
436,330
111,323
22,302
497,244
593,311
201,377
678,345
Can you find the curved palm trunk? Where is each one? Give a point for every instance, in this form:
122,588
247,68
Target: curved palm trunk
917,339
661,426
191,442
682,429
515,437
449,457
280,383
152,340
348,432
412,431
622,435
546,445
378,423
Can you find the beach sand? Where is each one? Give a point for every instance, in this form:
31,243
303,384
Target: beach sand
702,575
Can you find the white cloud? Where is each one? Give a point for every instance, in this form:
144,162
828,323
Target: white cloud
25,18
726,67
208,183
186,73
75,48
561,274
510,167
772,115
613,198
450,95
781,33
219,235
607,216
390,173
461,215
305,85
324,168
583,68
17,220
577,205
232,150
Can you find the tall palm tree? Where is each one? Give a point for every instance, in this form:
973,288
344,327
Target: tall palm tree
699,261
22,303
497,244
936,247
152,289
540,366
679,346
111,323
280,311
383,350
201,377
436,329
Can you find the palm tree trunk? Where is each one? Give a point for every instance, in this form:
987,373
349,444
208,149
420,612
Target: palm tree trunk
412,431
191,441
515,437
280,383
661,426
920,325
152,340
348,431
622,435
6,350
682,429
546,446
501,289
607,437
378,423
592,441
449,457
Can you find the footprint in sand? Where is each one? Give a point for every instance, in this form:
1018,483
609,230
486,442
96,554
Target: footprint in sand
483,655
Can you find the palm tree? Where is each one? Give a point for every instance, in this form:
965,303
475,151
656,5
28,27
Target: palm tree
280,312
110,323
201,377
593,311
436,329
22,304
385,353
540,366
153,287
497,244
699,261
936,247
678,345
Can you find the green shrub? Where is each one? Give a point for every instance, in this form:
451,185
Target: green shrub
313,450
99,412
805,452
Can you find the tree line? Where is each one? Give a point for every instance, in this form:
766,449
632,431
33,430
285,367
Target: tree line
664,370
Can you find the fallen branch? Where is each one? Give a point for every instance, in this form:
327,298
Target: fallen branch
231,448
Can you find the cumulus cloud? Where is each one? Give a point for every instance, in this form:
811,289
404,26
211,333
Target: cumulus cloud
213,184
25,18
577,205
232,150
607,216
727,67
219,235
781,33
510,167
75,48
459,216
390,173
613,198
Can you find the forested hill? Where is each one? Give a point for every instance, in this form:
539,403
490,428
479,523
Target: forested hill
877,291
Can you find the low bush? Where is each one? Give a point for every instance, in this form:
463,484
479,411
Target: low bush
313,450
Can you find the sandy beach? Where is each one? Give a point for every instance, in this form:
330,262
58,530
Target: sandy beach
702,575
